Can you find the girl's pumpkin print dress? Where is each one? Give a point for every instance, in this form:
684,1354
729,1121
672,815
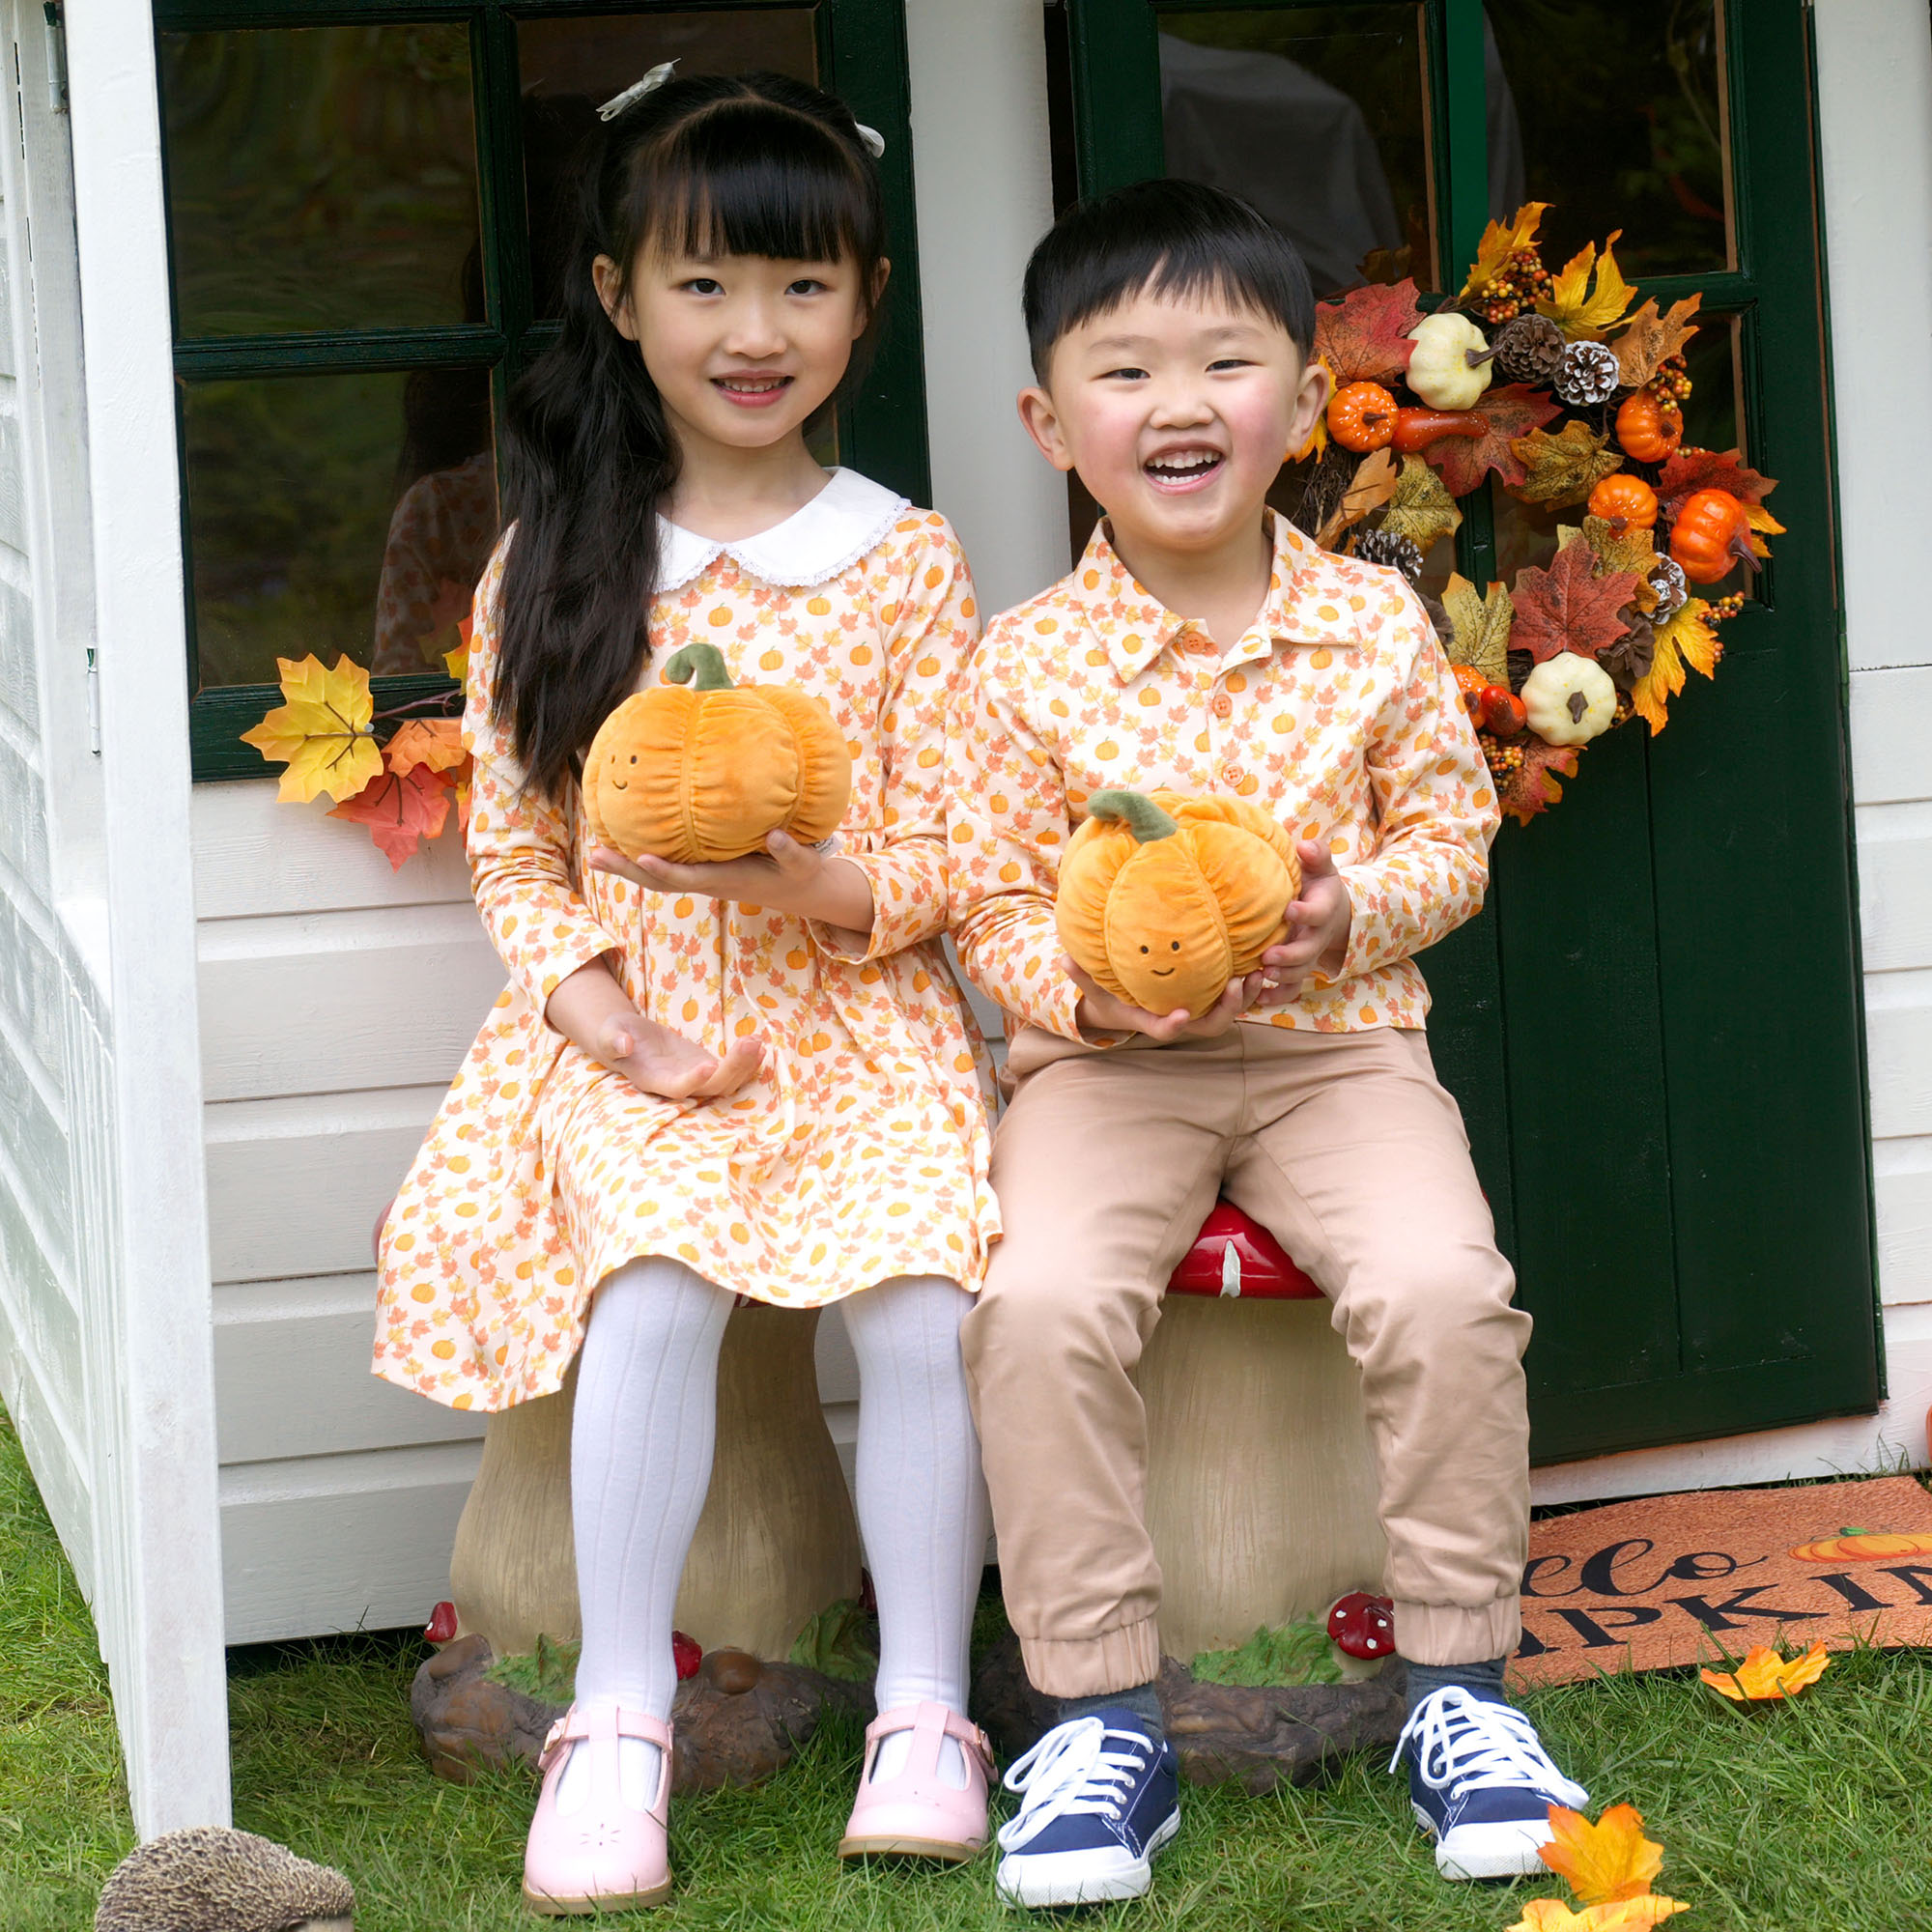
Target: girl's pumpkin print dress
859,1151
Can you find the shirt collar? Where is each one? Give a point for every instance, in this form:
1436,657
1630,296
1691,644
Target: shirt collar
1307,604
813,544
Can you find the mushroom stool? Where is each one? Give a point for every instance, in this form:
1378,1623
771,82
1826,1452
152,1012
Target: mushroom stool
777,1542
1261,1493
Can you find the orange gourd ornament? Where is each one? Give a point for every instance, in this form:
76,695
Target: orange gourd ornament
1711,534
697,770
1646,431
1627,502
1164,899
1362,417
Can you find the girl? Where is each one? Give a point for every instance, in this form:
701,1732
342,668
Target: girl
757,1078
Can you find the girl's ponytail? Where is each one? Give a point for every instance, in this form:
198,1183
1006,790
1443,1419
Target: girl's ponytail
760,164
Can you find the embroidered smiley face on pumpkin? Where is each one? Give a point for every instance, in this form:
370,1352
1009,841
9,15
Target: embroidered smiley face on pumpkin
697,770
1164,899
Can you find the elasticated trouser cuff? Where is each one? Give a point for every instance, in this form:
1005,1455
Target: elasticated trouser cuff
1116,1659
1450,1633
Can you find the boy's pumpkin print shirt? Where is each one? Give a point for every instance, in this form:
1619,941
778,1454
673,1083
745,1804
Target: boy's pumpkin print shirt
1337,711
860,1150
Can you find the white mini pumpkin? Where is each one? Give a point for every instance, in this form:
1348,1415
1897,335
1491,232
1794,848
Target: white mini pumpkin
1439,371
1570,699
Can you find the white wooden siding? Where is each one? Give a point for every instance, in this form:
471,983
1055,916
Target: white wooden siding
103,1332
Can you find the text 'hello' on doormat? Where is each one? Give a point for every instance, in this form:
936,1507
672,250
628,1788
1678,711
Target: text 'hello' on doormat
1670,1580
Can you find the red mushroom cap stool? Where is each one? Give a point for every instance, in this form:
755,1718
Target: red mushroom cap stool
1261,1495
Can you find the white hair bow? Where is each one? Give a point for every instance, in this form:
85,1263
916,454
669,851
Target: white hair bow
874,141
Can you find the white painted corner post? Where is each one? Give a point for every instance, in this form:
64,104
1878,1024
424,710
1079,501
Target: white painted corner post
151,1377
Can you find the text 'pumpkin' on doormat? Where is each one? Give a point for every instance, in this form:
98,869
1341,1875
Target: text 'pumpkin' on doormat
1670,1580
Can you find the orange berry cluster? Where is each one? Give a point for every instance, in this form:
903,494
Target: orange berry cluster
1671,385
1504,760
1725,607
1522,283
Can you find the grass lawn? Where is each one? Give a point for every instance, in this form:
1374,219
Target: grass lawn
1817,1818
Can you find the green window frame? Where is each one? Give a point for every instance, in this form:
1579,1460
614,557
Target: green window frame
862,57
1664,1088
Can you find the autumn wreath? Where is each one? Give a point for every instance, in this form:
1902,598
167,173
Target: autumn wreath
1551,384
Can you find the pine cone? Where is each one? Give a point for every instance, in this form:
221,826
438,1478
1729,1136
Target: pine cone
1529,350
1666,578
1398,552
1589,375
1630,656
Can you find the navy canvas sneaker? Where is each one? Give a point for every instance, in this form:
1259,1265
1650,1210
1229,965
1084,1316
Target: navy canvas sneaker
1099,1799
1481,1784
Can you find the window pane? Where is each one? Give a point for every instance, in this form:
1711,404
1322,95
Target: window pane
1316,115
336,514
321,177
569,68
1615,113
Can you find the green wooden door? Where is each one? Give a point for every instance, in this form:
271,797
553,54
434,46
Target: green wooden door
1655,1028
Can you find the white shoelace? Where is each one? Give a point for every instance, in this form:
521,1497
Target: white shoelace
1071,1769
1462,1740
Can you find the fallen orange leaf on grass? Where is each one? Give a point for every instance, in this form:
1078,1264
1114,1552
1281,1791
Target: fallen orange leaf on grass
1765,1676
1605,1863
1627,1915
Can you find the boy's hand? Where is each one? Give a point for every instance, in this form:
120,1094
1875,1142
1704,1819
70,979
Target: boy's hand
1317,932
1103,1012
657,1060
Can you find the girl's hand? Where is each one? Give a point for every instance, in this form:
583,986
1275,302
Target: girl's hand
655,1060
793,878
1319,923
1103,1012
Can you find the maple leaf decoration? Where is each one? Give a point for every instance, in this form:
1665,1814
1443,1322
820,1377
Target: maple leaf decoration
435,742
1481,627
457,661
1585,308
1364,337
1512,412
1534,786
1686,640
1563,468
1630,1915
1693,470
401,809
1568,607
1631,548
1605,1861
1501,240
323,733
1765,1677
1421,509
1651,340
1369,489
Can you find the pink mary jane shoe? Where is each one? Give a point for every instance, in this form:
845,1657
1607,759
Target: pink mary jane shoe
604,1854
916,1813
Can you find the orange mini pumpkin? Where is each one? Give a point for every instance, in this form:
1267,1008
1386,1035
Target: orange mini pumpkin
697,770
1647,430
1164,899
1627,502
1362,416
1711,534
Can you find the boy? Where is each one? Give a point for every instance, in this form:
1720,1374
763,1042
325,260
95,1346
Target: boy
1201,644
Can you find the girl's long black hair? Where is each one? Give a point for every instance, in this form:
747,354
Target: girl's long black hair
754,164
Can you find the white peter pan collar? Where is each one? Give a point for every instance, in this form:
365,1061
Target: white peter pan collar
813,545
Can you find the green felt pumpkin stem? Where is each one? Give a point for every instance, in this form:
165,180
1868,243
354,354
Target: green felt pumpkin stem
1134,810
700,665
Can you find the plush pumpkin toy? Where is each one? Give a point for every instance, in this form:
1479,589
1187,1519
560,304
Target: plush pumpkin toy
697,771
1164,899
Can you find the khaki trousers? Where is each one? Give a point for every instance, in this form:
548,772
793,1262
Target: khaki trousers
1349,1151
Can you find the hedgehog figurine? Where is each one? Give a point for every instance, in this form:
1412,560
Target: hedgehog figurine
210,1880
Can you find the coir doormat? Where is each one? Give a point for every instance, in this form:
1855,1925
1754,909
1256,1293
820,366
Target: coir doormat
1685,1579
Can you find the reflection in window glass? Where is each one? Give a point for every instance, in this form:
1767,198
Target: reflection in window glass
336,514
1623,126
569,68
1316,115
321,177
